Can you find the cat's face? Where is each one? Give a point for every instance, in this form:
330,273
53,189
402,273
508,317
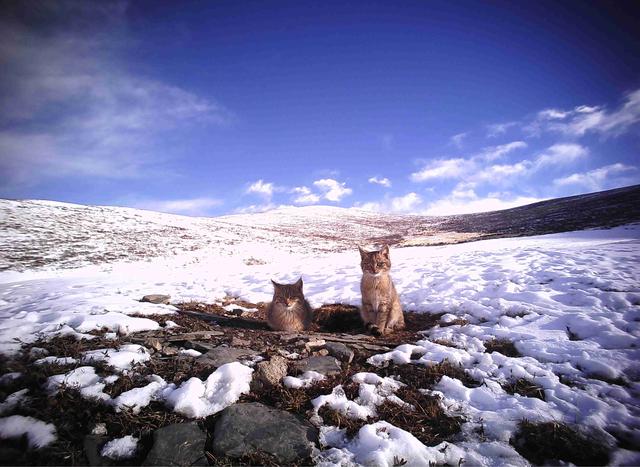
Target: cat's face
288,294
375,262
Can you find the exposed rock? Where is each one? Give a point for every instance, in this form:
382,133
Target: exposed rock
245,429
236,342
92,445
271,372
314,344
157,299
196,335
179,444
323,365
200,346
340,351
221,355
169,350
321,352
154,343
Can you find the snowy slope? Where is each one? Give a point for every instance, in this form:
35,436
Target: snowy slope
570,303
45,234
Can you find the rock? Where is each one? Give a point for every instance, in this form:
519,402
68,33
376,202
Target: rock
99,429
157,299
245,429
340,351
154,343
236,342
200,346
321,352
271,372
92,445
196,335
178,444
314,345
221,355
324,365
169,350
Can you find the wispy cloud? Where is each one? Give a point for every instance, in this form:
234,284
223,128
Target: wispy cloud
190,207
585,119
609,176
332,190
464,200
497,129
458,139
71,109
460,167
384,181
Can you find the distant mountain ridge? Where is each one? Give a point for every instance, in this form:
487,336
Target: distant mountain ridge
35,234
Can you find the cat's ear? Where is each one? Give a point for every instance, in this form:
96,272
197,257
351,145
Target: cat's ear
298,284
275,284
385,250
362,252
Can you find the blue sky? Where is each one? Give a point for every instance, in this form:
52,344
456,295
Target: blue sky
209,108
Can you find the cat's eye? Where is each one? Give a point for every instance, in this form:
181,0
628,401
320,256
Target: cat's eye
380,265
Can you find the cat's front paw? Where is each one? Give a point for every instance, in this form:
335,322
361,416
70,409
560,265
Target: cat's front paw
375,330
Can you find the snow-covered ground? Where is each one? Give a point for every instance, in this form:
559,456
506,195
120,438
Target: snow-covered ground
570,303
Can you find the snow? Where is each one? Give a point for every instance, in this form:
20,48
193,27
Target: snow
121,359
190,352
13,400
306,379
120,448
39,434
198,399
569,302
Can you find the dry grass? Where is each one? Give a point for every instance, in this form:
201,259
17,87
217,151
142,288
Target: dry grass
524,387
504,346
545,443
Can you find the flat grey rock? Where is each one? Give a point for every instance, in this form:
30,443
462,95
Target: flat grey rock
325,365
157,299
340,351
92,445
221,355
272,371
245,429
180,444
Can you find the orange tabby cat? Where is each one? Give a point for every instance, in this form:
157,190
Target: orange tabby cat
381,310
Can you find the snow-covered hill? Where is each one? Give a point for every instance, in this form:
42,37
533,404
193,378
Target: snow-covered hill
46,234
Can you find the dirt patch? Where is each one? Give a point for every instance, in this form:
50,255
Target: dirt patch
504,346
524,387
544,443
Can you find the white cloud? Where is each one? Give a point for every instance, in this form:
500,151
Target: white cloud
384,181
406,203
442,169
463,200
191,207
305,196
585,119
261,188
496,129
560,154
457,140
496,152
73,109
332,190
458,167
609,176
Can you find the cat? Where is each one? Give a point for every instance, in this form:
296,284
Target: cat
381,311
289,311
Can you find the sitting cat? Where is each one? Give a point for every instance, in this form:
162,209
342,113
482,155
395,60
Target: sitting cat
289,311
381,310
